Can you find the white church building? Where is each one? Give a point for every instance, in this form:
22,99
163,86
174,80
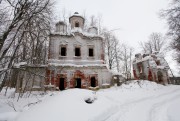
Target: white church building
76,56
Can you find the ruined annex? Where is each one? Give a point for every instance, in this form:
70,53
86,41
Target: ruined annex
151,67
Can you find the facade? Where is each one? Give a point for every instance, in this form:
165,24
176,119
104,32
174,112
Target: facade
151,67
76,56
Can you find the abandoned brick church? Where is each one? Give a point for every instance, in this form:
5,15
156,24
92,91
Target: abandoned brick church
75,60
76,56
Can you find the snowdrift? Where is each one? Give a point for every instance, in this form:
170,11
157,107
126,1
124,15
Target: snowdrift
105,104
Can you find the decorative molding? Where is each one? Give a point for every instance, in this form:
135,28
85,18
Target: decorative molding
63,42
77,43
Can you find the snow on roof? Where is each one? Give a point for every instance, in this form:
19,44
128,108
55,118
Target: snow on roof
153,60
71,32
160,67
87,34
75,65
61,23
77,30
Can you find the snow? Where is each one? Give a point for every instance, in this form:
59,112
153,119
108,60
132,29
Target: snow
115,72
133,101
173,111
106,84
78,30
17,65
75,65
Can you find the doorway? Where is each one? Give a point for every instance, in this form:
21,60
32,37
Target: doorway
78,83
93,82
160,76
61,84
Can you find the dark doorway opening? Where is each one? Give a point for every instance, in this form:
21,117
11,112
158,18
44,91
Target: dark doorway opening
93,82
78,83
160,76
61,84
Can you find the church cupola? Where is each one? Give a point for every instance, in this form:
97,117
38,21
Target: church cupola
93,30
61,27
76,21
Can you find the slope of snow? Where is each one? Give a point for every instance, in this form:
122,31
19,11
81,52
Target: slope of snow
67,106
135,101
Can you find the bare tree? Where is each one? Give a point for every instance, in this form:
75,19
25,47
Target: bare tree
172,15
156,42
125,57
26,32
111,48
94,21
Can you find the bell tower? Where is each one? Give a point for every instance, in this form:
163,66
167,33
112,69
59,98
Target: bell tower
76,21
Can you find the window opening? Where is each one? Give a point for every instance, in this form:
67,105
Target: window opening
63,51
76,24
77,52
91,53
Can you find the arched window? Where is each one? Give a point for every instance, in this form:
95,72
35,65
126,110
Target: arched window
77,24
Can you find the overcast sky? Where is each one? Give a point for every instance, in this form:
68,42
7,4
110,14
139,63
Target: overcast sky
137,19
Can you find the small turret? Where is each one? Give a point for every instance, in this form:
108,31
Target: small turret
61,27
76,21
93,30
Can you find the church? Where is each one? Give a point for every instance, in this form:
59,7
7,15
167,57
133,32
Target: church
76,56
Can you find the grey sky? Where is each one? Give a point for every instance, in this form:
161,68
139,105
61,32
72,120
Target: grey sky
136,18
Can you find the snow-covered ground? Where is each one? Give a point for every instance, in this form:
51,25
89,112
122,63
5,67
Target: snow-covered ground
136,101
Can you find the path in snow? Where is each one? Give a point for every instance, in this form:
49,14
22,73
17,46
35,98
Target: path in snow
153,108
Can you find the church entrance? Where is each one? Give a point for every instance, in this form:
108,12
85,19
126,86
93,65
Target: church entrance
93,82
78,83
61,84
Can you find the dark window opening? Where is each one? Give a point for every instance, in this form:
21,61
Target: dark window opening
91,53
61,84
93,82
77,52
63,51
76,24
